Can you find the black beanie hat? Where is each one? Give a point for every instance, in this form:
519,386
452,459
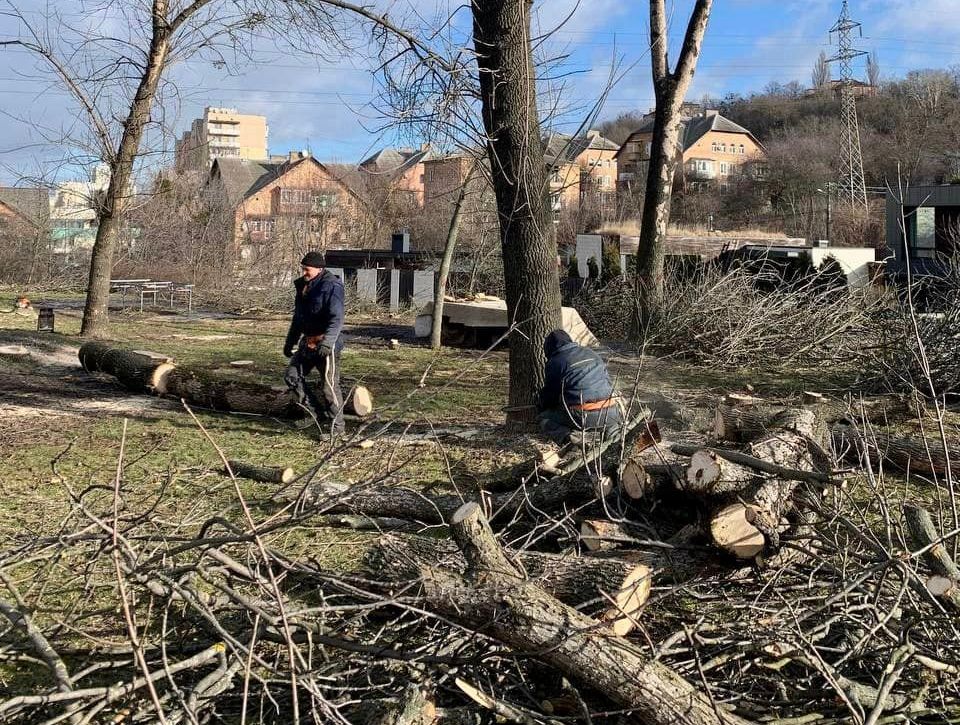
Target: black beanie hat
555,340
312,259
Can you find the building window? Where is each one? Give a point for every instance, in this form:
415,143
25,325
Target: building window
555,202
324,200
715,147
555,176
294,196
724,168
742,149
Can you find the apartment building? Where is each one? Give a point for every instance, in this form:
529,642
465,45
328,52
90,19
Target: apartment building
73,210
714,149
581,168
222,133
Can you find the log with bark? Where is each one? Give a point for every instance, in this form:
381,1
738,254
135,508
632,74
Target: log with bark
614,588
403,503
496,600
144,373
945,582
358,401
203,389
749,508
137,372
918,455
264,474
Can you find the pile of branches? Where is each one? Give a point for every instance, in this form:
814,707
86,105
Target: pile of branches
726,319
740,318
729,582
917,351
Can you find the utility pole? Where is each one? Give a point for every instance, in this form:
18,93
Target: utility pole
851,187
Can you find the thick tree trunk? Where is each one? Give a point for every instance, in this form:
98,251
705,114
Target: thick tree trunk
404,503
232,396
616,588
664,153
499,603
436,326
95,314
508,92
137,372
670,89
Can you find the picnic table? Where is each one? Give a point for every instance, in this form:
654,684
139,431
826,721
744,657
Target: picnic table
157,290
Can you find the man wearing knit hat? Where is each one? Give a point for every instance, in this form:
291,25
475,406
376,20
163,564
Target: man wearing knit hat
315,331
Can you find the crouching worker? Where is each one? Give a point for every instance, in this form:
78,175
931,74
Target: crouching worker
577,392
315,331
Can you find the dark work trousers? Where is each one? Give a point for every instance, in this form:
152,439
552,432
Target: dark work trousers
558,423
329,410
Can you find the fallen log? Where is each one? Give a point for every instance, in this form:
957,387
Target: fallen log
494,599
745,459
907,454
752,524
740,425
264,474
149,373
616,588
602,535
646,471
404,503
91,353
203,389
358,401
137,372
945,583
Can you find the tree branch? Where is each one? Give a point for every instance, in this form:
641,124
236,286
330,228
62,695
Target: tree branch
692,41
658,41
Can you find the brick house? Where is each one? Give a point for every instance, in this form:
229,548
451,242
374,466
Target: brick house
714,150
27,208
403,169
582,168
276,211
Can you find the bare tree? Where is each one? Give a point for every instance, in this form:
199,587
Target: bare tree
873,69
165,30
488,101
452,234
821,71
669,88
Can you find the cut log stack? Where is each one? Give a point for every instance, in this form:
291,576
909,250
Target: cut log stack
151,373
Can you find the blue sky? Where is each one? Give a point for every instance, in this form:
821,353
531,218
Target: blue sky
324,105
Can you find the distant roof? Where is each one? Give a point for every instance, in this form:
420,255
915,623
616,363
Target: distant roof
32,203
697,127
393,160
243,177
562,148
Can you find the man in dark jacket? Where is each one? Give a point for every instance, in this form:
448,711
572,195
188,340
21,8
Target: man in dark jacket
577,392
315,331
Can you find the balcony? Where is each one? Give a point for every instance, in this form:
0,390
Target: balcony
223,129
